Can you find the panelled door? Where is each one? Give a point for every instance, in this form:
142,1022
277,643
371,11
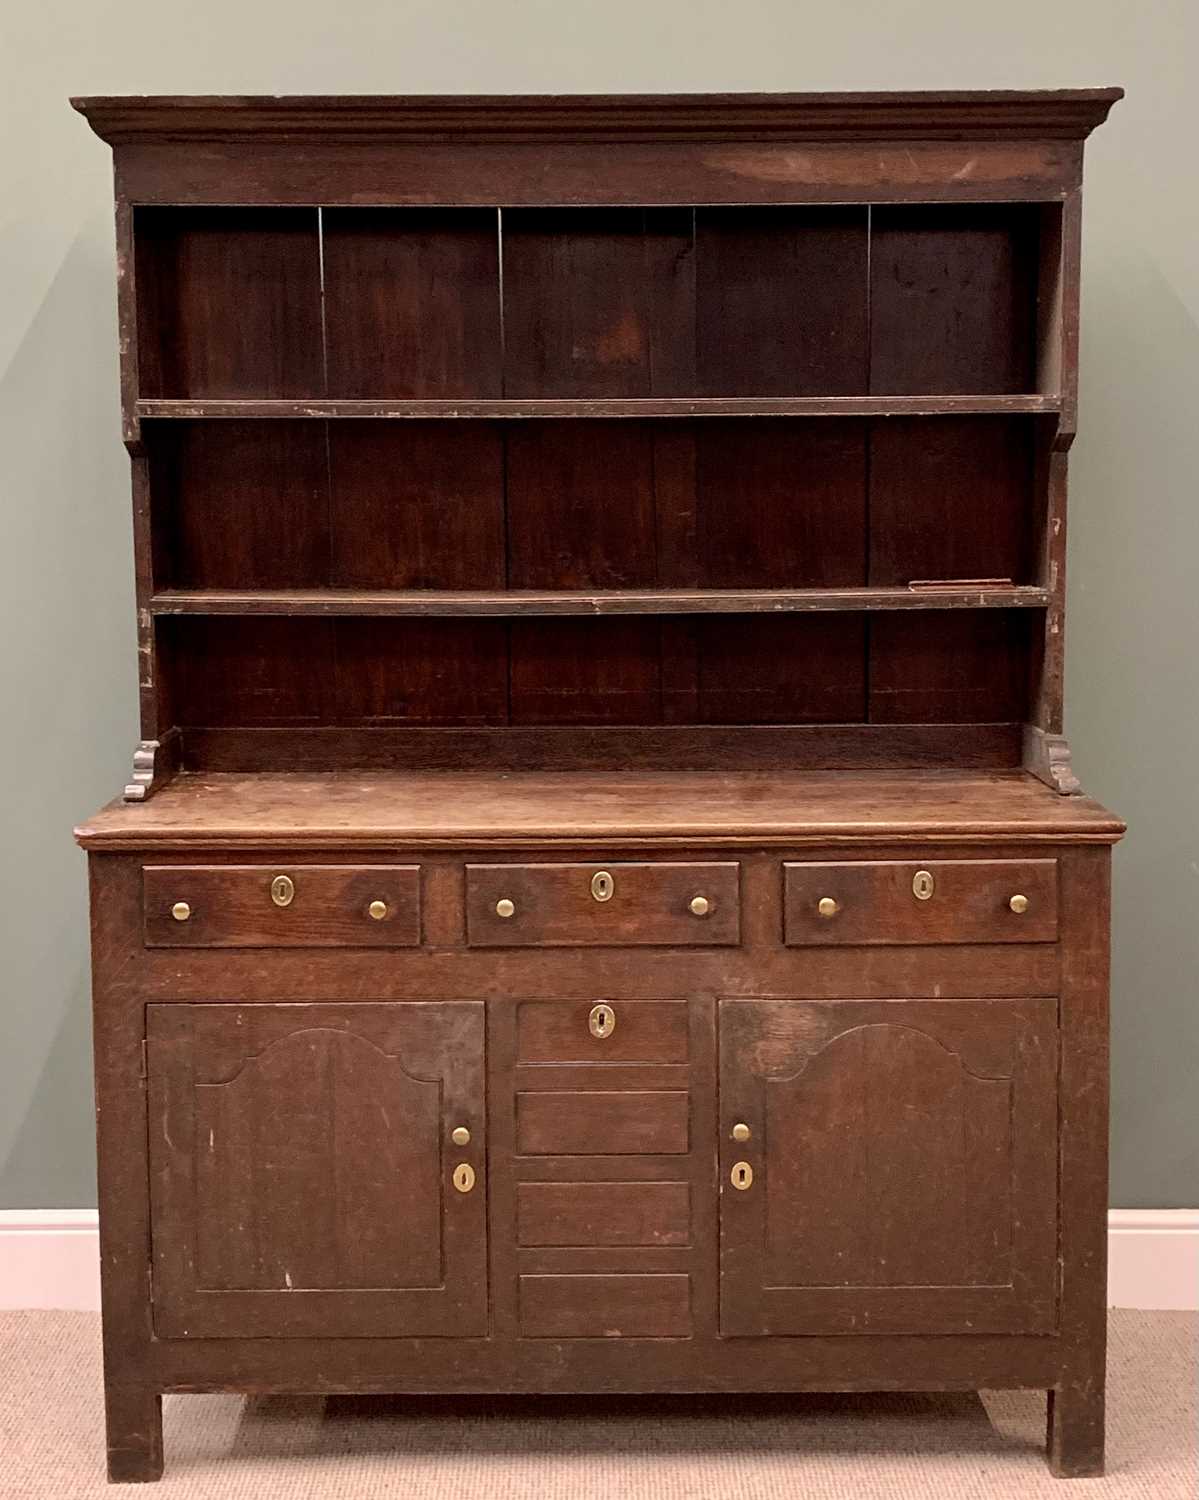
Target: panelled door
310,1169
888,1166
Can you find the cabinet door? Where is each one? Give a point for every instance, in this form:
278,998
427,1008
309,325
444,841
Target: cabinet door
900,1173
303,1177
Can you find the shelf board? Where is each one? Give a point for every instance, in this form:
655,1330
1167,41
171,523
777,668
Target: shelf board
579,602
687,406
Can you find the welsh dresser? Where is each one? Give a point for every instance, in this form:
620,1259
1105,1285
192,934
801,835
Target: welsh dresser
602,902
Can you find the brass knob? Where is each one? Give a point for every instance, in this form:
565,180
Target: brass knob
505,908
741,1132
700,906
827,907
181,911
1019,904
378,910
460,1135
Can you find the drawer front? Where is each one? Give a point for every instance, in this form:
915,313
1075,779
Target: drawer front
546,906
615,1307
603,1213
282,906
602,1123
571,1031
937,901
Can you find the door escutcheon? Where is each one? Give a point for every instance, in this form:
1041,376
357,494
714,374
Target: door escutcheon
742,1176
464,1177
603,886
922,885
283,889
602,1021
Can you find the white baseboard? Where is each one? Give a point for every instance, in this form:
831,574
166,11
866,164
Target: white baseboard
50,1258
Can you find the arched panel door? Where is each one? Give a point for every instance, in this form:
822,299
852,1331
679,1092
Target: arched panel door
899,1175
303,1170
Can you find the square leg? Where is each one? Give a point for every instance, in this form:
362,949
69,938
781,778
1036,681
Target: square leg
133,1419
1074,1431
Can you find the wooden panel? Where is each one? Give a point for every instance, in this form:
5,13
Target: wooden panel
299,1184
602,1123
948,667
603,1213
580,504
242,505
231,906
876,902
781,669
781,301
421,672
619,1306
229,302
904,1157
412,302
950,497
226,671
953,299
581,671
417,505
780,504
598,302
650,904
556,1031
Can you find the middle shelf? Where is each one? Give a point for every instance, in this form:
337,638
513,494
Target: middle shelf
519,602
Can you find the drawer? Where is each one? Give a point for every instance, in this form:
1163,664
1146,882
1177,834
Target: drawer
648,1122
603,1213
651,1306
282,906
564,905
570,1031
909,901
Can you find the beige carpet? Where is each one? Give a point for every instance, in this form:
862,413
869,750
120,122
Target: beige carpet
794,1448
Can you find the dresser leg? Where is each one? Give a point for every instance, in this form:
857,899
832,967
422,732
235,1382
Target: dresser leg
1074,1437
133,1417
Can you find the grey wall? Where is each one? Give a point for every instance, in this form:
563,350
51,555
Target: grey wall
67,644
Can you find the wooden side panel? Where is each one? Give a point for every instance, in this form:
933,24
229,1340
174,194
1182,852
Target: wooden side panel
614,1306
231,906
603,1213
602,1123
300,1180
953,299
412,303
229,302
416,505
598,302
904,1167
950,497
781,302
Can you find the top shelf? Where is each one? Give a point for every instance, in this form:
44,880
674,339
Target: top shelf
713,406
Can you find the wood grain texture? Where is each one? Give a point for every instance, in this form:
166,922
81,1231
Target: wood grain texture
557,1032
231,906
626,1306
603,1213
876,903
601,1123
554,906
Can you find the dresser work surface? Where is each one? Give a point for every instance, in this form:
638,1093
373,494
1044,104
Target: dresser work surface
601,901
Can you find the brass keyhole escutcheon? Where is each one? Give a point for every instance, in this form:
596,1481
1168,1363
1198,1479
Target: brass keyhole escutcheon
464,1177
602,1021
742,1176
603,887
283,890
923,885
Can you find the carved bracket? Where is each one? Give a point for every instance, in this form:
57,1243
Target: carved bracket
154,763
1047,757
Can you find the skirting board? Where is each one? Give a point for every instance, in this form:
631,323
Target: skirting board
50,1258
